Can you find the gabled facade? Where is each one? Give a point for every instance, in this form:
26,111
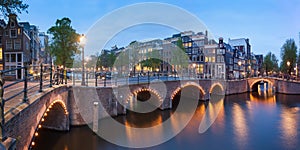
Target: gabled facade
15,46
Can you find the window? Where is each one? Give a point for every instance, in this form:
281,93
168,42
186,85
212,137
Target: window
9,44
201,68
17,44
19,58
0,40
12,24
201,58
212,59
19,31
7,58
13,58
13,33
6,33
1,57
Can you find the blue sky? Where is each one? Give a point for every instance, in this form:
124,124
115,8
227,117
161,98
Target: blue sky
267,23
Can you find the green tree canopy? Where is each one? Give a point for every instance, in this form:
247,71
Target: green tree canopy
270,63
288,54
106,59
12,7
179,56
64,43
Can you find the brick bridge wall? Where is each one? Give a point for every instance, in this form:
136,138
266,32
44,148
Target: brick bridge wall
78,102
22,125
113,99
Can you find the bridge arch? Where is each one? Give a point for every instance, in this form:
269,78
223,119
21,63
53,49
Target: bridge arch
178,89
55,116
142,89
257,81
217,88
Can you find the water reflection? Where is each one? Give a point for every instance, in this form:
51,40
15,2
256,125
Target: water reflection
245,121
240,126
289,126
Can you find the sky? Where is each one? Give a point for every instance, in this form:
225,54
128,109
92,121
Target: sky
267,23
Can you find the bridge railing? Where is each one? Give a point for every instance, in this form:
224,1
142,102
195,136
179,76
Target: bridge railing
17,83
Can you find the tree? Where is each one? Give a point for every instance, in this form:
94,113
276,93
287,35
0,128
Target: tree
270,63
288,54
106,59
179,58
64,42
154,59
12,7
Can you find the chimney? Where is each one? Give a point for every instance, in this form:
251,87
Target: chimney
206,33
221,45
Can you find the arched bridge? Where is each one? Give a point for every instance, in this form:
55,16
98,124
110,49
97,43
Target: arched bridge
61,106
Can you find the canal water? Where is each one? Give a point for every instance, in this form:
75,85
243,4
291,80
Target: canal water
246,121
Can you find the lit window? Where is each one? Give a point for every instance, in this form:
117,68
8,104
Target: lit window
212,59
201,68
1,56
206,59
19,31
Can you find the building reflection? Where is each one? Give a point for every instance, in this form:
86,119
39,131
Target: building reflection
240,126
288,126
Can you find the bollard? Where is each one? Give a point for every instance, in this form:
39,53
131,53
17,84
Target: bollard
95,117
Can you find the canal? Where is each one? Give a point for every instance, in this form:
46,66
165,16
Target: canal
246,121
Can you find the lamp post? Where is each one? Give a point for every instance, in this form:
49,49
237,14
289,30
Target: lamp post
82,43
288,63
239,63
296,71
194,69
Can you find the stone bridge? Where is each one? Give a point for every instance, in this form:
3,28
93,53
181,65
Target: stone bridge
59,107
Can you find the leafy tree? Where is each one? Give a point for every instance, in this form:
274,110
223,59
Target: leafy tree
106,59
133,53
12,7
64,42
92,62
154,59
288,54
179,57
270,63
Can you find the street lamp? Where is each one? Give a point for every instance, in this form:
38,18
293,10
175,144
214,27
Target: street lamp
194,69
288,63
82,44
239,63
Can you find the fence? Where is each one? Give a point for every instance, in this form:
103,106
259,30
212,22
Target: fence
29,83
